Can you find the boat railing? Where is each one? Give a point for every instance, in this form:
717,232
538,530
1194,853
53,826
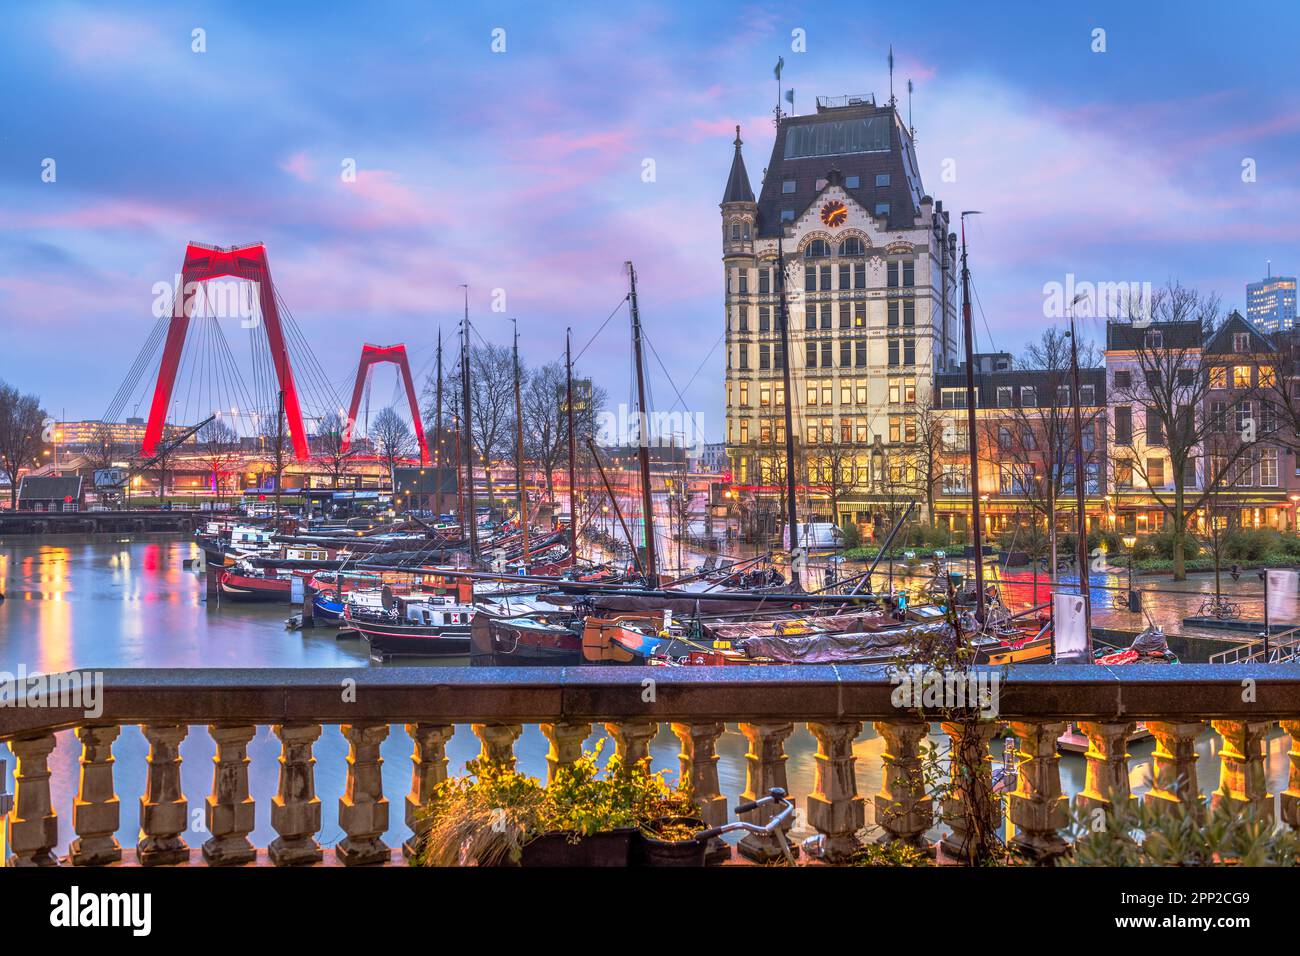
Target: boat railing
63,748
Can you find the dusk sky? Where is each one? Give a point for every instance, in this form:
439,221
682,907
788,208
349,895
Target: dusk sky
522,170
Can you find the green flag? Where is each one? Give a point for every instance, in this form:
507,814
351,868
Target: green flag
780,62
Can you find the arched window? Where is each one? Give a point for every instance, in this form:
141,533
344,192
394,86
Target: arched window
852,246
747,231
735,230
817,249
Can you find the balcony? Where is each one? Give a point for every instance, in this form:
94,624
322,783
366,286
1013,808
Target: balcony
434,704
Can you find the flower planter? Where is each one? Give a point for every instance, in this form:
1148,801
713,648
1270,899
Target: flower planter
612,848
651,850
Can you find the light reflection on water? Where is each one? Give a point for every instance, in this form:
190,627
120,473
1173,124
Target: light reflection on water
103,602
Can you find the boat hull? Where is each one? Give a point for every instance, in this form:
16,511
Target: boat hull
243,587
412,640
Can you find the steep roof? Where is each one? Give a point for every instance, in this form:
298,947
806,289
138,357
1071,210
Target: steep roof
738,189
1129,337
49,487
858,139
1221,343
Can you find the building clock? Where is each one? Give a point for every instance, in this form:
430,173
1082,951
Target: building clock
834,214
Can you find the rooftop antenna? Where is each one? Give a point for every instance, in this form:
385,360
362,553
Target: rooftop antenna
910,128
780,65
892,101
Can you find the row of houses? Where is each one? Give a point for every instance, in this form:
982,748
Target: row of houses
1174,421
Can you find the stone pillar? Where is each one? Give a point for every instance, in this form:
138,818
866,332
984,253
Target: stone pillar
632,739
498,742
363,808
764,769
230,810
699,775
33,826
835,808
970,770
566,745
1173,777
96,812
1106,778
1291,796
295,808
1243,778
164,811
903,808
1038,809
428,769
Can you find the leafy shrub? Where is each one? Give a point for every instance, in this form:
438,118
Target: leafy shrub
487,816
1178,838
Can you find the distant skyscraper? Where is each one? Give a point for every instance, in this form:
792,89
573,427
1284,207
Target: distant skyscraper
1270,304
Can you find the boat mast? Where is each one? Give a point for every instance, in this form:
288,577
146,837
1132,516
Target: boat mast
643,438
467,441
437,415
573,468
783,313
972,440
279,453
519,452
1081,532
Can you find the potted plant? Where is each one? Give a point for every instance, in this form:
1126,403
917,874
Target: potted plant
670,841
585,817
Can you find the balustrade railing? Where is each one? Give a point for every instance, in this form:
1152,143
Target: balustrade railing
1177,703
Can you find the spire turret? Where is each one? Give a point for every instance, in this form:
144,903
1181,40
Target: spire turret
738,189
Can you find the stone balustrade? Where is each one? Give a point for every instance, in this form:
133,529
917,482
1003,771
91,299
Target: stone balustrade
1240,703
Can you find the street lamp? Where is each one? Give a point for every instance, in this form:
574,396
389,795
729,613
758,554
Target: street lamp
1134,601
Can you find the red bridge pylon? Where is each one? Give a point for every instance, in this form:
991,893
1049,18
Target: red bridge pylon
372,355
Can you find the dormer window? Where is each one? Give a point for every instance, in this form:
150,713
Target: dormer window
787,187
851,182
787,215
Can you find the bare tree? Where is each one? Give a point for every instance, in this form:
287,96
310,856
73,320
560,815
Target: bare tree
1172,382
392,437
276,446
219,451
492,397
331,446
103,448
22,428
545,424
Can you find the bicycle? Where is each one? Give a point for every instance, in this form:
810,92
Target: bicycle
774,827
1219,608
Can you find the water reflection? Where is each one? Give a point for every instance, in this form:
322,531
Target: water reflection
105,602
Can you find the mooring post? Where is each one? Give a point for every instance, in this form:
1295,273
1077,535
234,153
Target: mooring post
308,606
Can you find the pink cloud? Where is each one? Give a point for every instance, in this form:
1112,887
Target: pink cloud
299,167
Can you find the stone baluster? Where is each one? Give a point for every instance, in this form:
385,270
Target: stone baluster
632,739
295,808
1173,775
164,811
970,770
230,810
498,743
1038,808
904,810
764,769
1105,785
1291,796
96,812
835,808
363,808
1243,780
33,826
428,769
566,745
699,768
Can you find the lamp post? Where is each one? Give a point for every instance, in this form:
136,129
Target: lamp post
1134,602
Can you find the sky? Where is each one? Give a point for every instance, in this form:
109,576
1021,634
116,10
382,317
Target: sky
520,171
